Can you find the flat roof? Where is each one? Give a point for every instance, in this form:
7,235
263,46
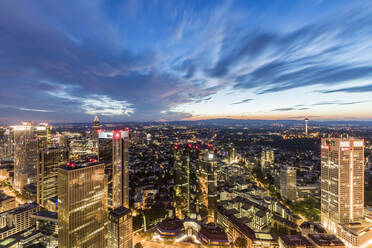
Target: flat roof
325,239
120,212
357,228
295,240
79,165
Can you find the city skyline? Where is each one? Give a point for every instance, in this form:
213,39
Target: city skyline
185,60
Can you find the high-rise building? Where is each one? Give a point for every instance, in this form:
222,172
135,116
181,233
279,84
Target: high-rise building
49,160
120,228
342,191
6,144
267,158
181,172
342,180
25,155
288,183
120,170
82,205
120,217
207,178
43,135
96,128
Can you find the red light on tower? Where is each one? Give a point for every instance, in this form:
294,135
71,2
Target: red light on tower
117,135
189,145
197,147
127,129
175,147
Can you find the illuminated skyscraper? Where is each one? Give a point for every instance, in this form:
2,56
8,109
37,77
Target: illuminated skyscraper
25,155
342,181
6,143
49,160
82,210
288,183
267,158
120,218
182,180
96,128
120,170
120,228
43,135
207,178
306,126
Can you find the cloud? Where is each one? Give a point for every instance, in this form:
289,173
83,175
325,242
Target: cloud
326,52
284,109
26,109
355,89
243,101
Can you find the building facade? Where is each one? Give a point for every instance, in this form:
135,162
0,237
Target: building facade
288,183
49,159
342,181
25,155
82,210
120,228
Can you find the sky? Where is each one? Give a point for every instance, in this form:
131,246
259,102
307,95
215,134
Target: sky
160,60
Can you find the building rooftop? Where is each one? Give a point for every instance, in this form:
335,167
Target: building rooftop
357,228
120,212
317,227
21,208
170,225
213,233
325,239
79,164
294,240
47,215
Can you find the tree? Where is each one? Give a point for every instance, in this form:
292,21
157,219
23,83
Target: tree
240,242
138,245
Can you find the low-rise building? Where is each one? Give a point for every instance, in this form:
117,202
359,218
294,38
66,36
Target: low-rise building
18,219
294,241
325,240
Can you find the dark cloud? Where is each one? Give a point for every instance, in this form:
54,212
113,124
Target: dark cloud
243,101
236,48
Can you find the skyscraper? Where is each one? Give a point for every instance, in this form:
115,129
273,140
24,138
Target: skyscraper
82,210
25,155
342,181
43,134
49,160
207,177
267,158
120,228
96,127
120,217
181,174
288,183
6,143
120,170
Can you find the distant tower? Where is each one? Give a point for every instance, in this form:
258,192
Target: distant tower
96,127
306,126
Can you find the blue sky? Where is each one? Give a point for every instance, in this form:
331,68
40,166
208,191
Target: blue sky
170,60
